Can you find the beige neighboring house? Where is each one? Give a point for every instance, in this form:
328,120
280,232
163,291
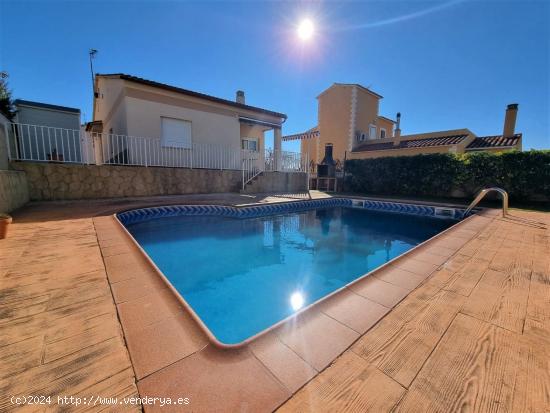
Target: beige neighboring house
134,107
349,119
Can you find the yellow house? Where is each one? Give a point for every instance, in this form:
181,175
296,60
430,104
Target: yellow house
349,119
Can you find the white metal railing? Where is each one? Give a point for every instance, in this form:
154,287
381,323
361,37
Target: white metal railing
45,143
51,144
254,163
141,151
285,161
251,164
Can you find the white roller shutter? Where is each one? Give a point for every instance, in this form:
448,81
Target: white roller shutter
176,133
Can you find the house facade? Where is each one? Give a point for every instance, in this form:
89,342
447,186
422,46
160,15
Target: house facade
349,119
180,119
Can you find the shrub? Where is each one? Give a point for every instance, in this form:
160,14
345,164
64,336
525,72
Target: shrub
525,175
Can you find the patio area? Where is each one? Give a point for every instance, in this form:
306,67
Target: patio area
460,324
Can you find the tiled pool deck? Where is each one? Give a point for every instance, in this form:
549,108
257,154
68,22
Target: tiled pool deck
460,324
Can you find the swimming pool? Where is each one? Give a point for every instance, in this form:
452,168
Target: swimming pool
242,270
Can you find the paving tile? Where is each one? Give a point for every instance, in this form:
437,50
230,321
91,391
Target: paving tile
23,308
120,248
151,308
402,341
379,291
21,356
74,372
285,364
400,277
134,288
492,369
162,343
465,279
77,262
331,338
461,232
353,310
537,322
126,266
97,334
439,250
111,242
351,385
500,299
80,293
415,266
427,256
450,242
456,262
216,381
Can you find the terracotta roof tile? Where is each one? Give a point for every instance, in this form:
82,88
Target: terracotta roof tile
310,134
497,141
413,143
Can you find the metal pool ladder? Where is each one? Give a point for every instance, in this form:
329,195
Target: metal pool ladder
481,195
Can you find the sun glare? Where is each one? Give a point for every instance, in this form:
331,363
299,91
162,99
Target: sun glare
305,29
297,301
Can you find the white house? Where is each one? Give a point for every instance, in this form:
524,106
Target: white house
138,121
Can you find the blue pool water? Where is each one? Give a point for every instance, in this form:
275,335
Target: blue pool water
241,276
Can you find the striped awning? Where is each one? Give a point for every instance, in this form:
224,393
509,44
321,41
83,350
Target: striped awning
301,136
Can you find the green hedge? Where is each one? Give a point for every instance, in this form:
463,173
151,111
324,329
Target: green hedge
525,175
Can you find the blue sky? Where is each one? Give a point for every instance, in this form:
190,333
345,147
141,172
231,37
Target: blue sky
443,65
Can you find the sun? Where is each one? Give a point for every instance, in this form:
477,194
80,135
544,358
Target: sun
305,29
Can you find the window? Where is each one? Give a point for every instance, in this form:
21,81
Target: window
382,133
250,144
372,131
175,133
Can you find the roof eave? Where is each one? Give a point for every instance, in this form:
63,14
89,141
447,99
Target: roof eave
191,93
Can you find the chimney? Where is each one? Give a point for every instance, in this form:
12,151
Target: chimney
397,134
240,97
510,120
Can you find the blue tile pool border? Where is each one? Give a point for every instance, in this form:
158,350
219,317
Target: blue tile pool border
253,211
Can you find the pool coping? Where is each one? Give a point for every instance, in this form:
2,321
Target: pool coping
224,346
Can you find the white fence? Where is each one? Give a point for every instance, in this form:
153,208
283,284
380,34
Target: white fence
50,144
130,150
45,143
271,160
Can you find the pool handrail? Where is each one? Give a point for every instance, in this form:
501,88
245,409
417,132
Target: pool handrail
481,195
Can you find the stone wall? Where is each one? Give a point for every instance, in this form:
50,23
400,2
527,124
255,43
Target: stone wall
14,192
277,182
4,128
51,181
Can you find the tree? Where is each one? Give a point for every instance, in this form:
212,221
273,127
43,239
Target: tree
6,104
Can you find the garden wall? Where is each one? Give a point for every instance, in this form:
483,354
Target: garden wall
525,175
51,181
14,192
